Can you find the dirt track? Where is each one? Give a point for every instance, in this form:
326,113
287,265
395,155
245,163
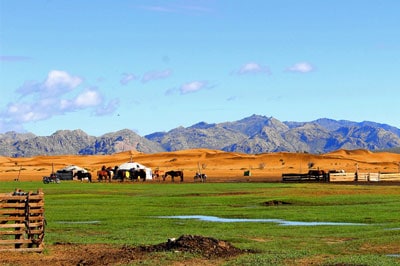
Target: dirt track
207,251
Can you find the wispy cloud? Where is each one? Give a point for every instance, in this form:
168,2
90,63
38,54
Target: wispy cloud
13,58
127,77
154,75
302,67
193,86
157,8
173,7
108,108
252,68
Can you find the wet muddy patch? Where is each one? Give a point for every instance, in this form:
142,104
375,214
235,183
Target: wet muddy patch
275,203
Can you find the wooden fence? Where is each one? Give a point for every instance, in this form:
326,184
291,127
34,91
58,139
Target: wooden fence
22,221
369,177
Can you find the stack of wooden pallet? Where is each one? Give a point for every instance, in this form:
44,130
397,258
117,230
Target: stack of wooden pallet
22,221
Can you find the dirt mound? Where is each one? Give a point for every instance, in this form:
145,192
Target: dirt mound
205,246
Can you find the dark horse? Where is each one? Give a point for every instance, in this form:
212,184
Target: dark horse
173,174
83,175
137,174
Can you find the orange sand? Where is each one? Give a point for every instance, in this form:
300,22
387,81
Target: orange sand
218,165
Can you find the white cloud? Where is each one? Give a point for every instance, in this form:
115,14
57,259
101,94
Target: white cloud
154,75
43,103
302,67
57,83
87,99
193,86
57,79
252,68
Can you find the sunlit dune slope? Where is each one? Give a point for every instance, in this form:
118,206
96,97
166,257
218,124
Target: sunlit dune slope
218,165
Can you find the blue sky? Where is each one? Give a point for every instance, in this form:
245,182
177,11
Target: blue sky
150,66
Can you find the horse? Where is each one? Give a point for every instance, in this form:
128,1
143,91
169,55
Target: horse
105,173
80,175
157,174
202,177
137,174
110,171
173,174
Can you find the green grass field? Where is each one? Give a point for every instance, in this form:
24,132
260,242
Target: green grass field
129,213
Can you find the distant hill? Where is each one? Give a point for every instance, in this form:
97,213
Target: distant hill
254,134
258,134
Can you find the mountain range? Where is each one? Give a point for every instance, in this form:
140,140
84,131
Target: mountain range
252,135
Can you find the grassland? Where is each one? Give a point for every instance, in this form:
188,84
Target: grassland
129,214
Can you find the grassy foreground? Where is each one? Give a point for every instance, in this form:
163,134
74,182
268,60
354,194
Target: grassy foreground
129,213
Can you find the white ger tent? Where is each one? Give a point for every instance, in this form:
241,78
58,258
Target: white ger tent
134,165
68,172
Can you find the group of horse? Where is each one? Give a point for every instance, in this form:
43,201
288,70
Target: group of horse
109,174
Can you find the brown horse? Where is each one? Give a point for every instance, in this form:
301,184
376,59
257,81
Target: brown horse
105,173
102,175
173,174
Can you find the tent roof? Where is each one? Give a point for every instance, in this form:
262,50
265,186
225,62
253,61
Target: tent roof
130,165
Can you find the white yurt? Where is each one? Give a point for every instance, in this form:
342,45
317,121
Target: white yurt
134,165
69,171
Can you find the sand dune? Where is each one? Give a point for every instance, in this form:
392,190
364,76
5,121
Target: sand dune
218,165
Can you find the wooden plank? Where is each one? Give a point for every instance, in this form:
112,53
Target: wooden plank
36,231
11,197
12,212
31,225
12,205
36,197
21,204
21,212
19,232
36,218
12,226
36,204
15,241
12,218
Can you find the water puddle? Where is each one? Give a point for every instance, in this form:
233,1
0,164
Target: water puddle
392,229
393,255
78,222
244,220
